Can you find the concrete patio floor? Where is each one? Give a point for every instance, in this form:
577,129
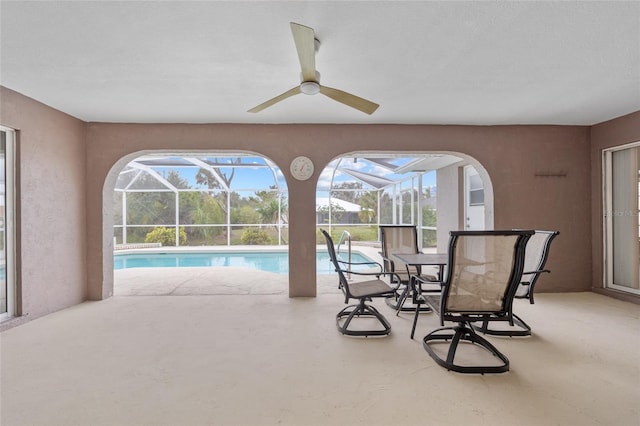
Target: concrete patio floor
184,281
269,359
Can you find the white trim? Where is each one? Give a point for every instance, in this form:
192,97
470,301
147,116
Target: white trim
607,219
607,200
9,249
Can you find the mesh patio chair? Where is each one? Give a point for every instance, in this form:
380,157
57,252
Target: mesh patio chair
368,287
483,274
535,258
396,239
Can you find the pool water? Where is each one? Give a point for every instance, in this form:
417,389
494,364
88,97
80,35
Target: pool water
277,261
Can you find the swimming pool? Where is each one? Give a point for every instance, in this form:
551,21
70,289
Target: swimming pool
270,261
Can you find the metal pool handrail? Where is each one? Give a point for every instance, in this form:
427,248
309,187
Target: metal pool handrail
340,241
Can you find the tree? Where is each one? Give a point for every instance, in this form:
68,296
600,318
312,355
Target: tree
429,217
206,177
150,208
386,208
173,177
337,212
354,191
408,205
268,205
207,211
154,207
368,202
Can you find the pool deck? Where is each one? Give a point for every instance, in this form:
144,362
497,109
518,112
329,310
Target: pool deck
209,280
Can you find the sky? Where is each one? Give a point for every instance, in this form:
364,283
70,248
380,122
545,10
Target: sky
262,177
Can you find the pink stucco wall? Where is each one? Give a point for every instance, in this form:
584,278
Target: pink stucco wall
52,211
540,176
621,131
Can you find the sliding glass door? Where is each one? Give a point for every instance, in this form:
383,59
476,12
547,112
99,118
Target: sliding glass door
7,281
621,218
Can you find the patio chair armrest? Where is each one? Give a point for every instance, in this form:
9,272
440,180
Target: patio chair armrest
394,278
424,280
377,275
418,290
387,261
344,262
539,271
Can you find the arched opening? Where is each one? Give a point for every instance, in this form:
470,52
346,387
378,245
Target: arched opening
195,210
437,192
363,190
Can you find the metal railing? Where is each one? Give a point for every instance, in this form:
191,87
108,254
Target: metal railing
347,235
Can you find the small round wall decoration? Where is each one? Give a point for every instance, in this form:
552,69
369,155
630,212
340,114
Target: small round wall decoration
302,168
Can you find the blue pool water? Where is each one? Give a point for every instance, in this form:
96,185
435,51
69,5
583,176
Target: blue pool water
277,261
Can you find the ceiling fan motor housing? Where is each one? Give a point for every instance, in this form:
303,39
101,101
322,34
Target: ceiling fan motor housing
310,87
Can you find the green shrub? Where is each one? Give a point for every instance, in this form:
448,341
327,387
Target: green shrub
165,236
254,236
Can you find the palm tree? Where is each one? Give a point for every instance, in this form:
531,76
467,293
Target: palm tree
269,207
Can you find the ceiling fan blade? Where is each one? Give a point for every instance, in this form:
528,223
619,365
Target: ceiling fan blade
304,37
275,100
353,101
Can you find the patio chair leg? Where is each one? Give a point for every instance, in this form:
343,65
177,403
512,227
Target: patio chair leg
518,329
394,301
458,334
361,310
415,320
398,302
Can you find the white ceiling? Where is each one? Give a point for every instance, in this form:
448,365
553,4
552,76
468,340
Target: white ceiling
423,62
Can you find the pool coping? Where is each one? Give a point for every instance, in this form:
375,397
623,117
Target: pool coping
363,249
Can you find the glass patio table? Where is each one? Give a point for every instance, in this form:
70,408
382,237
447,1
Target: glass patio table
425,259
418,260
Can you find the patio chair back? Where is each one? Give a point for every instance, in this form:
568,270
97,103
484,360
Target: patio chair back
536,255
343,283
396,239
484,271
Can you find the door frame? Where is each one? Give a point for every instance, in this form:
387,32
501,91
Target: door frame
9,225
467,198
607,218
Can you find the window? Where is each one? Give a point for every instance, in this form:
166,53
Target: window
476,191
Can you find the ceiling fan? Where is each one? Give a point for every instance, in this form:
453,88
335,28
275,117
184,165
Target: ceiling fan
306,45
